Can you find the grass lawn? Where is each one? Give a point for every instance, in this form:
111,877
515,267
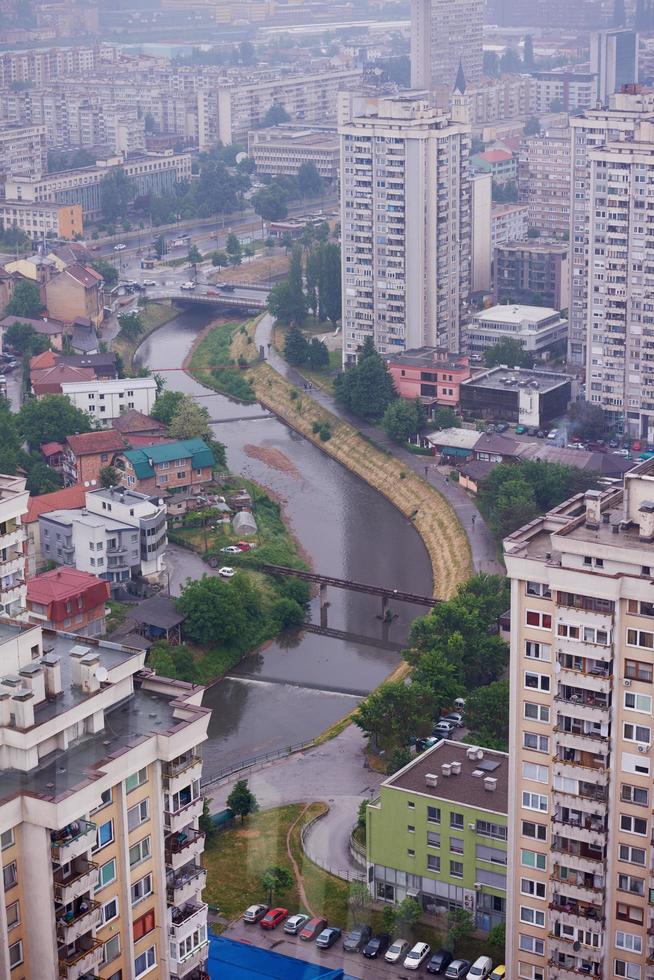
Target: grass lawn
215,360
153,316
117,613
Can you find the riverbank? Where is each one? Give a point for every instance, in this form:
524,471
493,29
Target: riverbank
153,316
219,357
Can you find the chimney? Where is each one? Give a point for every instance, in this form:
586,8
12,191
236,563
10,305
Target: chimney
431,779
592,500
446,769
456,768
89,665
490,784
4,708
33,678
22,708
646,521
76,655
52,671
471,753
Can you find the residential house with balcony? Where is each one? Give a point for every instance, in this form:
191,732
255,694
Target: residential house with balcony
85,455
68,599
438,833
168,468
430,374
107,400
101,849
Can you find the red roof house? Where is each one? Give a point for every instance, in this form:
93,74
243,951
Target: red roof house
67,599
88,453
68,499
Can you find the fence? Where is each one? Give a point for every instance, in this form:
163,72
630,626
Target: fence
256,761
347,874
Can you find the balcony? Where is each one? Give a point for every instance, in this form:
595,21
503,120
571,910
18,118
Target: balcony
567,970
579,891
82,877
569,769
177,820
180,772
576,860
579,915
597,680
70,928
13,538
580,741
186,919
86,959
12,565
180,848
193,961
186,885
73,840
587,708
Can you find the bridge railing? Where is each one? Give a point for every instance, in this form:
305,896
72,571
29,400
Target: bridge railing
256,760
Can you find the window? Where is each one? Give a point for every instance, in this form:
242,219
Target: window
640,638
6,840
538,651
539,743
433,839
634,794
536,830
141,889
145,961
628,883
410,852
411,829
636,670
634,855
13,915
143,925
456,821
139,852
487,829
539,774
456,869
433,862
10,875
111,949
15,954
541,621
532,917
411,805
527,971
107,874
433,814
537,682
633,825
638,702
534,888
529,944
538,589
532,859
629,941
534,801
636,733
104,835
109,911
629,913
137,815
537,712
137,778
456,845
624,969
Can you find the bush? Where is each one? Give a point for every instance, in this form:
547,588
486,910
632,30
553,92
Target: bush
287,614
325,432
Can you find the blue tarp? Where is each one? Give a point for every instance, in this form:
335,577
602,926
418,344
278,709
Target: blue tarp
231,960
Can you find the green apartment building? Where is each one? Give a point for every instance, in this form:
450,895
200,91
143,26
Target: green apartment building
438,833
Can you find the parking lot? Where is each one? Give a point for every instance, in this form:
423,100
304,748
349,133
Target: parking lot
354,964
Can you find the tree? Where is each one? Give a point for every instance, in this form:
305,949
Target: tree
491,64
532,126
51,419
399,759
41,479
247,53
508,351
219,259
393,712
460,927
219,612
296,284
276,879
159,246
403,419
358,897
270,203
131,326
241,800
281,303
190,421
287,614
26,300
249,250
275,115
528,53
511,62
497,941
22,338
107,270
487,715
330,282
109,476
407,914
318,355
438,672
149,123
233,249
206,824
586,420
166,406
367,387
194,256
446,418
116,192
309,180
296,348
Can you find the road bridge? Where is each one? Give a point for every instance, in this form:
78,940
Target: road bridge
252,300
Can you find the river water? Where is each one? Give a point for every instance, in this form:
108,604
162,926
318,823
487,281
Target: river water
288,694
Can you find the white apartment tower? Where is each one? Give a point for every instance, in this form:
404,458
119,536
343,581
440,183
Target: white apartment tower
444,33
14,498
580,898
593,129
405,226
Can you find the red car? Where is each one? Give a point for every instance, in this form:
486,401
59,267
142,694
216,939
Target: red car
272,919
245,545
312,929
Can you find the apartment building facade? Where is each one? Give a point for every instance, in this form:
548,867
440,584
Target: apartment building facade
184,466
582,666
444,34
614,61
107,400
433,375
41,220
100,844
499,99
68,599
536,328
544,175
14,499
283,150
532,272
588,131
85,455
509,223
405,226
564,90
23,150
42,65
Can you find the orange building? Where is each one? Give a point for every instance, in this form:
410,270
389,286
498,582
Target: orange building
67,599
431,374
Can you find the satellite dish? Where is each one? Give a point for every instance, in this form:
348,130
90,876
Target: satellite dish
102,674
576,946
240,157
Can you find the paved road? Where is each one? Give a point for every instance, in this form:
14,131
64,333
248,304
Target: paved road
482,545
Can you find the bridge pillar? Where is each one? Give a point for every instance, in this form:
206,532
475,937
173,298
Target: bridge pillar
384,606
324,605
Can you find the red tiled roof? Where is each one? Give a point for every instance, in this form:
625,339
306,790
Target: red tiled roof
46,359
60,583
49,380
135,421
495,156
50,448
88,443
84,275
67,499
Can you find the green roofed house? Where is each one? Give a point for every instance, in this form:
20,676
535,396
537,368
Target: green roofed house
438,833
177,470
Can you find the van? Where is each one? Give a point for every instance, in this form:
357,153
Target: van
480,969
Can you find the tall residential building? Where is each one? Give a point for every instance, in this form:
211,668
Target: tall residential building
544,181
13,507
444,33
99,805
593,129
405,225
581,735
614,61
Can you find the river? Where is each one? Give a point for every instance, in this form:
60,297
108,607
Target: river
288,694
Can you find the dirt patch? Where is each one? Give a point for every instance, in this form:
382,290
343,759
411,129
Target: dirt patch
273,458
262,270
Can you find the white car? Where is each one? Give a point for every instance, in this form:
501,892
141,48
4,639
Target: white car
187,285
480,968
149,282
397,949
295,924
553,434
231,549
226,572
120,247
414,959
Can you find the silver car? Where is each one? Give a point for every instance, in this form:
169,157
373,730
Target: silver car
295,924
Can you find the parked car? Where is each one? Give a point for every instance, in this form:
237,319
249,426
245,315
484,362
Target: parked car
397,949
226,572
119,247
480,968
443,728
231,549
613,444
328,937
540,434
228,287
255,913
457,969
501,427
313,928
637,446
273,918
454,718
295,924
376,946
576,445
532,430
499,973
440,961
553,434
245,546
149,282
622,452
520,430
424,743
356,939
416,956
188,285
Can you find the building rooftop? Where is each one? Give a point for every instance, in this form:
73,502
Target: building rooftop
499,210
133,421
539,245
144,460
503,378
159,611
454,438
429,357
62,583
70,497
503,313
467,787
101,441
